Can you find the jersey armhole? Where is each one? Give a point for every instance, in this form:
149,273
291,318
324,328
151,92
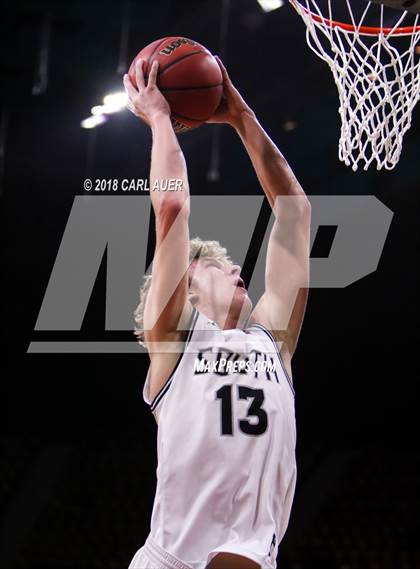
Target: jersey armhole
272,338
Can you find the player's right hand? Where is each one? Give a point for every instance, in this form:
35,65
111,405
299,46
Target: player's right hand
232,105
146,102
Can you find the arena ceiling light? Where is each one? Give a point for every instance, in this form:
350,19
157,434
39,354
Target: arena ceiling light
112,103
115,102
289,125
269,5
93,121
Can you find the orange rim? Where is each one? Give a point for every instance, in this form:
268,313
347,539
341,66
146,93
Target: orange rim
365,30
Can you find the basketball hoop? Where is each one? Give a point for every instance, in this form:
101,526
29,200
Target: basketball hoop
377,73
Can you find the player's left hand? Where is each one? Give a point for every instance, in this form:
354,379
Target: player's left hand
232,105
146,102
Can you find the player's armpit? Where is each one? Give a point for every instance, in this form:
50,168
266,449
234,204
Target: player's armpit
269,311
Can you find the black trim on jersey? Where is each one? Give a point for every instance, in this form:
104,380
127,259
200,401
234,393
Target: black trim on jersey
272,338
168,382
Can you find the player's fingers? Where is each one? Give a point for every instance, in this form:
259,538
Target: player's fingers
153,74
139,74
129,87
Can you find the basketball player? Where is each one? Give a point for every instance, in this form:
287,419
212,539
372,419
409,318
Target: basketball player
224,403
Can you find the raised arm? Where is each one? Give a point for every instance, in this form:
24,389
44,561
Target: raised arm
282,306
167,297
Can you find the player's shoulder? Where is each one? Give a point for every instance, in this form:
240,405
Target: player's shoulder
174,339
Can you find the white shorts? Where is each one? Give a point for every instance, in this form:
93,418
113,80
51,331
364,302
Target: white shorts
152,556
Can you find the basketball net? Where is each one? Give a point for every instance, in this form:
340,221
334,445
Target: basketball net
377,73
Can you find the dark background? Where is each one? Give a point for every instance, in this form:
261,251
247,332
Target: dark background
78,443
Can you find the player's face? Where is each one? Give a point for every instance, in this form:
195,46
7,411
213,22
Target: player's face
219,284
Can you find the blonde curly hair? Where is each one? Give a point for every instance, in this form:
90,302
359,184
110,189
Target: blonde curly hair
198,248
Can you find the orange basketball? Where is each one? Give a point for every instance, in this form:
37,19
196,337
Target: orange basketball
189,78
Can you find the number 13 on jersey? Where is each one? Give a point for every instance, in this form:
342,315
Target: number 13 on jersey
254,410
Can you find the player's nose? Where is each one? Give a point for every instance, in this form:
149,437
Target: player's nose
235,270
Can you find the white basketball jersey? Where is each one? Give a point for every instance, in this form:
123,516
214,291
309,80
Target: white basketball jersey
226,447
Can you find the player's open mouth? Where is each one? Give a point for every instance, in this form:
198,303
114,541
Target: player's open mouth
240,283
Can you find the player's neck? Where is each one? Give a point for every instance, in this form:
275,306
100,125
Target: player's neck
224,319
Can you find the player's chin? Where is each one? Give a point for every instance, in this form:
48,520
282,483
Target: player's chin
241,297
241,292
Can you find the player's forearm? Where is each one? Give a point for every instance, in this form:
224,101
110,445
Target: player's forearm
274,173
167,163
